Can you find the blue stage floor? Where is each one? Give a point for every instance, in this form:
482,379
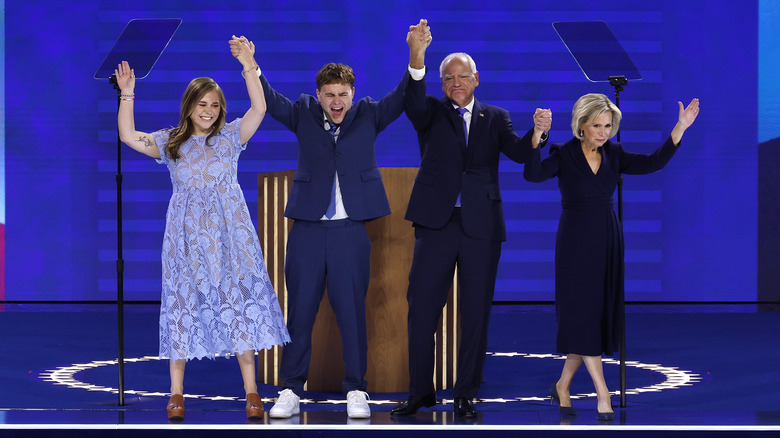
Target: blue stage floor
692,369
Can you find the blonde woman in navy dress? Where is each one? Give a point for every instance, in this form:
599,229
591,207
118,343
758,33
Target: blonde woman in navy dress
589,243
217,299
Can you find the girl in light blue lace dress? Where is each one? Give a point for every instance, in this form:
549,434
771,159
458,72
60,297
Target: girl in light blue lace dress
217,299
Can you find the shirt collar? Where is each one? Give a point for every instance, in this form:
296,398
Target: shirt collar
469,107
326,124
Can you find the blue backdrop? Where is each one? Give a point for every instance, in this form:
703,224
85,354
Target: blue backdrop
691,230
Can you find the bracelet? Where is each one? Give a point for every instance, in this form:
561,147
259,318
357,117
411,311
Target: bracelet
128,95
254,69
128,98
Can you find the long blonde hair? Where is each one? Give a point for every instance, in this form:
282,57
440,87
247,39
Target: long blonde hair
195,91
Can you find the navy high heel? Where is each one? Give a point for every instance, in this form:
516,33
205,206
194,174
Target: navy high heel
605,416
564,410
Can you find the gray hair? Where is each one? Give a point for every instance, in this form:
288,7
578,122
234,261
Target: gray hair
472,64
590,106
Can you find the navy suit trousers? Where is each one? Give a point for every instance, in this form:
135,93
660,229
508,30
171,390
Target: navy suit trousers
436,253
337,254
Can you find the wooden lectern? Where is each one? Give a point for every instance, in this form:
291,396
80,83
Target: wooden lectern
392,242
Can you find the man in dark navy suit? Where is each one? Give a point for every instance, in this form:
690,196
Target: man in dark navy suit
336,188
458,217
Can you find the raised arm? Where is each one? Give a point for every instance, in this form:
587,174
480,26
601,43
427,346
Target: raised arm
542,123
418,38
244,50
392,105
685,120
140,141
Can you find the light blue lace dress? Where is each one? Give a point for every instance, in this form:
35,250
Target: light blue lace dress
217,298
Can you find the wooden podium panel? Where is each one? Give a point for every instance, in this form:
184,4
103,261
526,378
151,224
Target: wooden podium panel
392,241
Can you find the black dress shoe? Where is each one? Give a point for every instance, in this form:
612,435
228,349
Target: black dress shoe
412,404
464,407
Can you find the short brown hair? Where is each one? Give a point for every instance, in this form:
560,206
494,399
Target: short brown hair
333,73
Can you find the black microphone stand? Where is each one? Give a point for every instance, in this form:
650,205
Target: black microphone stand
120,263
618,82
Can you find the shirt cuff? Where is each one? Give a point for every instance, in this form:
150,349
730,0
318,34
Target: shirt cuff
417,74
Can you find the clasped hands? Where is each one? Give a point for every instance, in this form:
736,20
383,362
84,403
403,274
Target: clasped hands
419,35
243,50
542,120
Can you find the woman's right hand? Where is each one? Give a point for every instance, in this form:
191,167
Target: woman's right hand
125,78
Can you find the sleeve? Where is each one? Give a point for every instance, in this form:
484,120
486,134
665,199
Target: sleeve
280,107
536,170
642,164
417,74
416,104
517,148
391,106
161,139
232,131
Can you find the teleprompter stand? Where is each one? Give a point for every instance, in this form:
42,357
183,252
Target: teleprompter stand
602,58
140,44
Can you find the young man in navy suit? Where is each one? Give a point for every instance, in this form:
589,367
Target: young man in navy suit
336,188
458,217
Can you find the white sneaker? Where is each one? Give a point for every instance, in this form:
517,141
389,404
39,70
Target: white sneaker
357,405
287,405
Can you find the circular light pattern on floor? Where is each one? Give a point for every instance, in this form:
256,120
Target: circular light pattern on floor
674,378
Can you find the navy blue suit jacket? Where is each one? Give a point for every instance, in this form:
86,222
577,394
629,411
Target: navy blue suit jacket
362,190
449,167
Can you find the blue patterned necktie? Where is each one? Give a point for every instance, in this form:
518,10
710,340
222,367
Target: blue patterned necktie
332,129
331,211
463,111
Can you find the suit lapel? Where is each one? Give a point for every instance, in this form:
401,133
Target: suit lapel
319,116
478,121
349,117
456,121
478,125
